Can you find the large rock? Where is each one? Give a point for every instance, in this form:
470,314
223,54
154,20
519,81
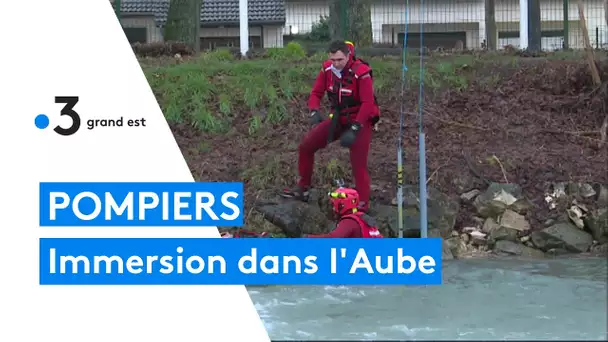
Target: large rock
512,220
562,235
457,246
442,211
497,198
502,233
446,253
597,223
489,225
478,238
510,228
294,217
517,249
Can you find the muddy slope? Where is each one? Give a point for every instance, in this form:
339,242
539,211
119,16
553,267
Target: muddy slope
538,119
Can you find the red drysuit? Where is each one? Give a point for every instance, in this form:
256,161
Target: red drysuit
355,95
351,226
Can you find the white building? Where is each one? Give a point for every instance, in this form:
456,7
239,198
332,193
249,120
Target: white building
445,21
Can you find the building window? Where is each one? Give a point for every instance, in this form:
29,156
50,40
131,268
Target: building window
136,34
212,43
433,40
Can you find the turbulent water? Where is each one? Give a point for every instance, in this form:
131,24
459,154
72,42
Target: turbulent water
480,299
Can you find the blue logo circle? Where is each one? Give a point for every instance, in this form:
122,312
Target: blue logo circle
42,121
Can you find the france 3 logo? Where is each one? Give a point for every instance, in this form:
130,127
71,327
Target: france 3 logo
74,121
42,121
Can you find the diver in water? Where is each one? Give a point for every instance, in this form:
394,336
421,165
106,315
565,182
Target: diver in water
352,223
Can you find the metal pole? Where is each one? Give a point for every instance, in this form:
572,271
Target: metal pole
244,27
401,119
523,24
421,138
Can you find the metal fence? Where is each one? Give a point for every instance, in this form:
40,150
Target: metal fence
447,24
457,24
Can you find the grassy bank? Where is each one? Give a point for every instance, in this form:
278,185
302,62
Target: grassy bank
213,90
241,120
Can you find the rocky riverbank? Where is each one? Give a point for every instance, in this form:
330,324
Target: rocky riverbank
577,220
499,129
577,223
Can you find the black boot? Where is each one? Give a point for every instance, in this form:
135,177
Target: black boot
298,192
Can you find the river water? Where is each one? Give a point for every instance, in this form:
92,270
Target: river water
557,299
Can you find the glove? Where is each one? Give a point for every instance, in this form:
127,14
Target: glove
348,138
315,118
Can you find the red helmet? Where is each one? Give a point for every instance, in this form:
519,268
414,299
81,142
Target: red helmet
344,201
351,49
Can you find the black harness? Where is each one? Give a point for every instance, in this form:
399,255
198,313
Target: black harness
343,105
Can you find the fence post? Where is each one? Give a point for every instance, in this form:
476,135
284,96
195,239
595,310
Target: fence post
491,32
566,24
534,26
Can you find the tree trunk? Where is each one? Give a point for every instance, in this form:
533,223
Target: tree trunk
184,22
351,20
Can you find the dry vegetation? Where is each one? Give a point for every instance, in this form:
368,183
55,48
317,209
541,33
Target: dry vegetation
241,120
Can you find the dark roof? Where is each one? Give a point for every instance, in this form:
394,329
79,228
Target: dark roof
213,12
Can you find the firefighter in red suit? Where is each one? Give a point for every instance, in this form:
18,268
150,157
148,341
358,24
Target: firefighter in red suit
348,83
352,223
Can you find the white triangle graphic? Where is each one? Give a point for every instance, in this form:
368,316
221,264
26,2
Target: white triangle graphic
77,48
